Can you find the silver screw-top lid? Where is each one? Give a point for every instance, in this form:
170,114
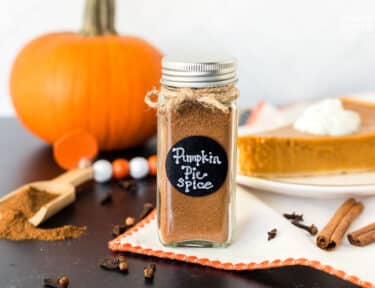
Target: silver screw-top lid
198,72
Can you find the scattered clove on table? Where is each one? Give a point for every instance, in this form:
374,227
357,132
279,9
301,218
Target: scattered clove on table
272,234
297,218
128,185
123,266
149,271
105,198
312,229
147,208
61,282
109,263
121,258
129,221
293,216
115,263
50,283
117,230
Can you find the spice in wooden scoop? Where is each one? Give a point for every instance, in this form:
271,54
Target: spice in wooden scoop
331,236
16,210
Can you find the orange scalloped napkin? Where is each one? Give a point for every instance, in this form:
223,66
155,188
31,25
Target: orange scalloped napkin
257,213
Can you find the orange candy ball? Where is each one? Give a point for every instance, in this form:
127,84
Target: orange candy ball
152,164
120,168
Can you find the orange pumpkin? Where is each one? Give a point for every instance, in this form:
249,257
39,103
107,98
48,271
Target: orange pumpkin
95,80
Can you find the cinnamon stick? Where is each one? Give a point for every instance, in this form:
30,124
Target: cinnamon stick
363,236
333,233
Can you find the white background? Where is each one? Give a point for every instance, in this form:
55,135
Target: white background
287,50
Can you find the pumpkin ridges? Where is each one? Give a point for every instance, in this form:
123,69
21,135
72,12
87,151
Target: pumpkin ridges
121,129
61,98
80,94
100,101
149,114
45,127
50,100
36,51
97,85
137,105
130,85
137,80
77,97
62,111
109,92
85,90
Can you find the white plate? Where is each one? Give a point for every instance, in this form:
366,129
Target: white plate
332,186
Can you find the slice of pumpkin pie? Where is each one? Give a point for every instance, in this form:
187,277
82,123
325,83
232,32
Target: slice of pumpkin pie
333,136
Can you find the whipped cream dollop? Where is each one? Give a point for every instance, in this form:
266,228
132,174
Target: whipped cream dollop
328,117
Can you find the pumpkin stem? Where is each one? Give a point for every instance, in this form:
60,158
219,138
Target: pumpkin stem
99,18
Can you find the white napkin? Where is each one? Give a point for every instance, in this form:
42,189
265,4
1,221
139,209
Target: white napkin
259,212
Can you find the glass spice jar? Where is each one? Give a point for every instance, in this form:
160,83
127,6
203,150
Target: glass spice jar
197,131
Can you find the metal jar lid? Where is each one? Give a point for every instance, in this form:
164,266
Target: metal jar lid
198,72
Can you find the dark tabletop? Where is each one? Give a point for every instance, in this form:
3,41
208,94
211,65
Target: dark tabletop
24,264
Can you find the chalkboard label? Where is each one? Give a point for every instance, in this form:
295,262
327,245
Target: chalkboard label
197,166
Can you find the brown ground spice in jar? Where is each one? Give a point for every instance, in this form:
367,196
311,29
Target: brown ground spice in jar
16,210
197,133
205,217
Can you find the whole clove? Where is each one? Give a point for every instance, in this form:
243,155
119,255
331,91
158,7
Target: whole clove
63,282
293,216
117,230
50,283
110,263
129,221
105,198
147,208
121,258
115,263
123,266
312,229
128,185
149,271
272,234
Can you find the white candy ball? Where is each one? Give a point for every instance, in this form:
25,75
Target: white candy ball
138,167
102,171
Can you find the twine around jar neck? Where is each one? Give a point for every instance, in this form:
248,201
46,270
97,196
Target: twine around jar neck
211,97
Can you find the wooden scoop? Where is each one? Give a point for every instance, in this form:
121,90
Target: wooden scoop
64,185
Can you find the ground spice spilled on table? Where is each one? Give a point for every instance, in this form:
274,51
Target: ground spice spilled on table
16,210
